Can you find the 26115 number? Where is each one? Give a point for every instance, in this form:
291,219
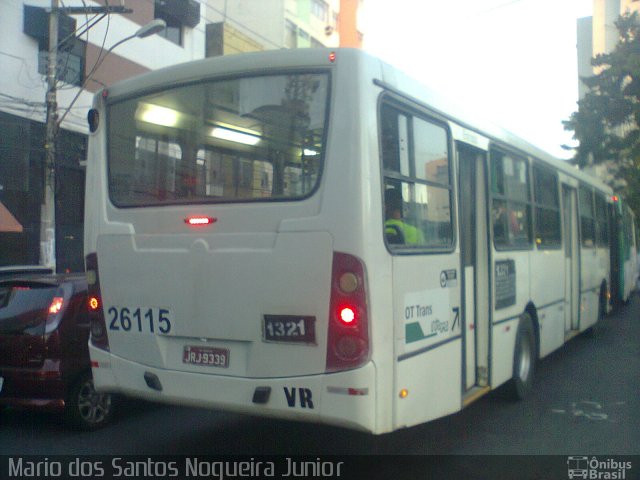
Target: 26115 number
140,319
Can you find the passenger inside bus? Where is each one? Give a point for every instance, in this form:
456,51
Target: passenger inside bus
507,229
396,230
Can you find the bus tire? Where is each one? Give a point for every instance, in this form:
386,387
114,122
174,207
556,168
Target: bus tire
602,312
524,360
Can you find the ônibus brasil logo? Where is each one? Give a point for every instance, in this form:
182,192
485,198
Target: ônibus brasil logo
597,468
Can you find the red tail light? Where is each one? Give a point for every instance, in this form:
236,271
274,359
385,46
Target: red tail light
56,305
99,337
59,303
200,220
347,315
348,335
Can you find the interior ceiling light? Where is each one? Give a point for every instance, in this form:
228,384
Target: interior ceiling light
157,115
235,136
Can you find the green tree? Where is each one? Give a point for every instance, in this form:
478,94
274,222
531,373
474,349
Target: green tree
608,117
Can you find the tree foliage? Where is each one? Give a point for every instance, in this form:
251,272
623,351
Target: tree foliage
608,117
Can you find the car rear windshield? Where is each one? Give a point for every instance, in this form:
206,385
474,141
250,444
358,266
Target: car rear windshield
234,140
24,307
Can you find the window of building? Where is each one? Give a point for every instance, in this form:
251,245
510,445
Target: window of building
320,9
304,40
316,43
547,208
290,35
510,201
173,31
178,14
417,187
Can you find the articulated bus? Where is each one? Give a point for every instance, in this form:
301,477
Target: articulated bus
312,235
624,253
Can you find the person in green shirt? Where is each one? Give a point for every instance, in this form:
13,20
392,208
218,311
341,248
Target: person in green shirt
396,229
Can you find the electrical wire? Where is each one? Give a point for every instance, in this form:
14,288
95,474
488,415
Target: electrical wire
95,67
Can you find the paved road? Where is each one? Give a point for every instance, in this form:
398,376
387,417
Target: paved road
586,402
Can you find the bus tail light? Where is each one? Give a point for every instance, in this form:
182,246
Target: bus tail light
99,336
199,220
348,334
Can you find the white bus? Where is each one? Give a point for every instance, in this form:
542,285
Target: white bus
624,252
312,235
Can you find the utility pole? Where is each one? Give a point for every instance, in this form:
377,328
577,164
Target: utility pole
48,209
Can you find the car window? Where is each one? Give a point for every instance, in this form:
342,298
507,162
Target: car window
24,307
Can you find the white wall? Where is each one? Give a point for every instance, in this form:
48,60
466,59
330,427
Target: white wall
19,59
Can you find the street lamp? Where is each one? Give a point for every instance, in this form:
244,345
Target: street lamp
47,218
154,26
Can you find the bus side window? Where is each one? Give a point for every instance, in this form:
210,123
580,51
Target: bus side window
417,185
587,220
511,201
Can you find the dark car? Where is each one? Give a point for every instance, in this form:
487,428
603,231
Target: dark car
44,356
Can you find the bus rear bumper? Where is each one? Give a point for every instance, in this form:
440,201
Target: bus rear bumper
345,399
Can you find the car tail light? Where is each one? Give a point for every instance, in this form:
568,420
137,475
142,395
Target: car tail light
57,307
348,335
99,336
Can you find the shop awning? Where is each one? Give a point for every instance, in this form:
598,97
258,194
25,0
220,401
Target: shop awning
8,223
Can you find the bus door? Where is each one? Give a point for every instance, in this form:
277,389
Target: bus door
474,253
571,259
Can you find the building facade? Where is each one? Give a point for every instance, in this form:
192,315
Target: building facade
83,39
598,34
195,29
350,26
290,24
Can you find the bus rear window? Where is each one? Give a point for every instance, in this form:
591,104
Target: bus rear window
244,139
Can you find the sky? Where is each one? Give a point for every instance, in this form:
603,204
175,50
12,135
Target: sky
514,62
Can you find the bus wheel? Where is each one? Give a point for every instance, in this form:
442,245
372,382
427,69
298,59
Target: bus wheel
524,360
602,312
602,304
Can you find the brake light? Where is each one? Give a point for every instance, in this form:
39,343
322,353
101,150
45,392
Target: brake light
99,336
200,220
348,331
56,305
59,303
347,315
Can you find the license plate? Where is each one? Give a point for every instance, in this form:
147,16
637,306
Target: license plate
207,356
289,328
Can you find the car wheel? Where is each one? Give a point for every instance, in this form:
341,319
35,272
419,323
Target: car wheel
524,360
87,409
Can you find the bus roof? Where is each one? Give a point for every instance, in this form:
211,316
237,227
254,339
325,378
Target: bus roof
390,77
